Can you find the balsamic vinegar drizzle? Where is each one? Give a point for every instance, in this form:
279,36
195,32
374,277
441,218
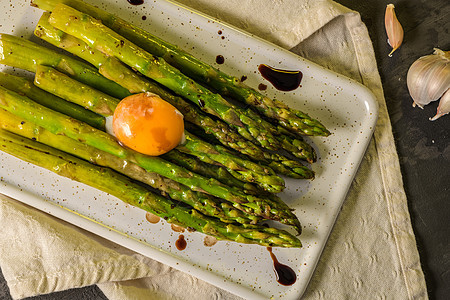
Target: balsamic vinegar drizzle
285,275
181,243
220,59
136,2
262,87
282,80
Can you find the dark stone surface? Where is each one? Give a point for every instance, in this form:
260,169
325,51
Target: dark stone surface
423,146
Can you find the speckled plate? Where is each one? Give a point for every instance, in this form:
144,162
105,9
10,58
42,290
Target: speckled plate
348,109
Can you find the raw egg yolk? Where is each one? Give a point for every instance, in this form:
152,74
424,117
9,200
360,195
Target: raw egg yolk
148,124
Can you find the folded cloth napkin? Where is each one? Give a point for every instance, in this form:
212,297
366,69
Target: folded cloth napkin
371,252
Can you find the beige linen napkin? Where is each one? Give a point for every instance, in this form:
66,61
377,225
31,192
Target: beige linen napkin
371,252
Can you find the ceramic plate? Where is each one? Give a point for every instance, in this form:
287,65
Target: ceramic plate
345,107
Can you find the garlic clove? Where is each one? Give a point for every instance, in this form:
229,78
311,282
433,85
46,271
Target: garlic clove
429,77
394,29
444,106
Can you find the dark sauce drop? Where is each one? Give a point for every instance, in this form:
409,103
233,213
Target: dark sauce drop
220,59
243,78
285,275
282,80
136,2
262,87
144,18
181,243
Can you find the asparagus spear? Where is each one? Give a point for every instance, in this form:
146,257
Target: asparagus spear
26,87
207,170
71,90
104,39
242,169
67,88
119,73
277,162
294,120
23,86
20,53
134,194
204,203
113,69
60,124
296,145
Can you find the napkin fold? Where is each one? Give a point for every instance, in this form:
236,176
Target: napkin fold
371,251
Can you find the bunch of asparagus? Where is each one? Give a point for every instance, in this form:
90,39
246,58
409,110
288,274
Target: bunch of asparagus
222,181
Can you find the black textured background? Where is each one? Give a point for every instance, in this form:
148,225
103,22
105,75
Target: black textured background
423,146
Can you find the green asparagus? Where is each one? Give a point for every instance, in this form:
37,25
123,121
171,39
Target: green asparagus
294,120
119,73
134,194
60,124
296,145
20,53
23,86
207,170
104,39
71,90
204,203
116,71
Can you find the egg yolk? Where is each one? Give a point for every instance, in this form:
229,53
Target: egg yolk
148,124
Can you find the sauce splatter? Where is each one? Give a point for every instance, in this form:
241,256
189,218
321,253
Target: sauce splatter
136,2
285,275
282,80
152,218
176,228
209,241
181,243
262,87
220,59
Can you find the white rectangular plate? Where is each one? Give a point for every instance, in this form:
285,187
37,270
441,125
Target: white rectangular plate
345,107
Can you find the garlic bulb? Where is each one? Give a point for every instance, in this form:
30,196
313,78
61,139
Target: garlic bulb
429,77
393,27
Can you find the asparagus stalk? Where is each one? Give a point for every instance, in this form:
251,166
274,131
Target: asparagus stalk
26,87
134,194
57,123
204,203
296,145
20,53
241,168
293,120
195,165
116,71
109,42
21,85
73,91
276,161
67,88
